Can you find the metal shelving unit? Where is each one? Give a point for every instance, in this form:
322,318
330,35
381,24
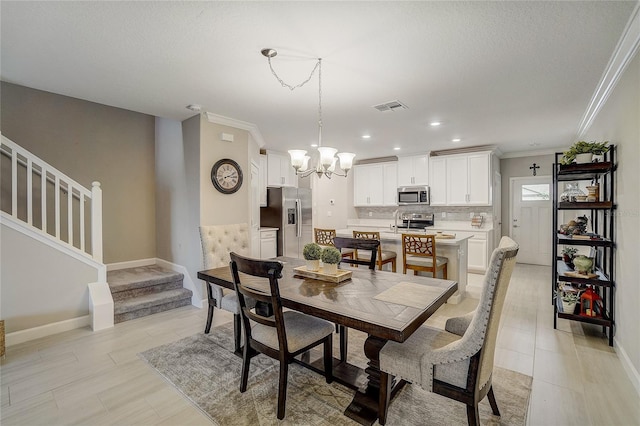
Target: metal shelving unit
602,218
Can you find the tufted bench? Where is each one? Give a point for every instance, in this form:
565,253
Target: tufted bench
217,242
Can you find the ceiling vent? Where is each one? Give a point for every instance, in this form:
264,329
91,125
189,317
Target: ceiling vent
390,106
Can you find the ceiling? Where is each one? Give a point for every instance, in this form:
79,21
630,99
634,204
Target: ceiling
518,75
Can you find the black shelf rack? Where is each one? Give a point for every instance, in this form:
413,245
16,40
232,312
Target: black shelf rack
601,215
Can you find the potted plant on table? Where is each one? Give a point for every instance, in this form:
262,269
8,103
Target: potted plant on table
583,152
312,253
330,259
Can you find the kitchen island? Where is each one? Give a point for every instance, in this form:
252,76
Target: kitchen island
454,249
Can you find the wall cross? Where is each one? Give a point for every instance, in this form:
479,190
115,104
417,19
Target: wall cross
534,168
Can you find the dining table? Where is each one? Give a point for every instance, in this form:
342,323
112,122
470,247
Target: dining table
384,305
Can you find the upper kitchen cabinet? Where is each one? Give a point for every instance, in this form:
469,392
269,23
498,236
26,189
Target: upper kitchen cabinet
461,179
375,184
413,170
279,170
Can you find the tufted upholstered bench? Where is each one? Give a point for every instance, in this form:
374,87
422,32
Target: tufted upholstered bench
217,242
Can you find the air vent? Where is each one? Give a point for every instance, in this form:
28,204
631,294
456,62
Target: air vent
390,106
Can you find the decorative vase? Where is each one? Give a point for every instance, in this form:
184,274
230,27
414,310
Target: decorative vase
330,268
313,265
568,307
571,191
583,264
594,193
584,158
568,260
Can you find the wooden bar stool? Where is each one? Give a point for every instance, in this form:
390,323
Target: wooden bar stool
325,237
384,256
419,254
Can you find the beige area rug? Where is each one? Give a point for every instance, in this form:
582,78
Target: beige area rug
206,371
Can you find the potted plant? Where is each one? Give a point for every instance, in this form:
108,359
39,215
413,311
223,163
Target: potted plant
568,253
583,152
330,259
312,253
569,301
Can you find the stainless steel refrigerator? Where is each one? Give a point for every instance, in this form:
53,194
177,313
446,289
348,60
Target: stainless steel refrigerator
289,209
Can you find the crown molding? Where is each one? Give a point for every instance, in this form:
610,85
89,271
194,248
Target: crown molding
238,124
622,55
532,153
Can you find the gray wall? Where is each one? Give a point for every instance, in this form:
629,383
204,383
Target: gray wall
89,142
519,167
619,123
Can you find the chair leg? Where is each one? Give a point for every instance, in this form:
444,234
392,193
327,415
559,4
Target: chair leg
444,272
207,327
237,331
473,416
385,394
492,402
393,265
246,361
282,389
344,339
328,358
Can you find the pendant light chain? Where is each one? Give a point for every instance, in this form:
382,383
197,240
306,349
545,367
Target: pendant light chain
292,88
319,101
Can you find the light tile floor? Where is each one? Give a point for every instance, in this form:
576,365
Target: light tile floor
81,377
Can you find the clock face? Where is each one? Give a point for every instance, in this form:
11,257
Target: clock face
226,176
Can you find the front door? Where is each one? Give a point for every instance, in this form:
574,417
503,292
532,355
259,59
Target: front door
531,219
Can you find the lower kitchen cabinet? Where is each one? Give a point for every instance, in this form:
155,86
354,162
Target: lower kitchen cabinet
477,254
268,243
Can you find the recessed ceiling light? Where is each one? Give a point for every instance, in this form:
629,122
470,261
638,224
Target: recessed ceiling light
397,148
314,145
455,140
366,136
435,123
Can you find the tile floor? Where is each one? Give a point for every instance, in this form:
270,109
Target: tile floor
81,377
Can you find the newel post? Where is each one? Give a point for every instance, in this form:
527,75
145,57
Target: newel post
96,221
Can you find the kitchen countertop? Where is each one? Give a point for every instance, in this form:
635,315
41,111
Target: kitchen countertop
439,225
386,234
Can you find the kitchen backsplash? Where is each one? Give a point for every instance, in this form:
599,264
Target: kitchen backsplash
452,213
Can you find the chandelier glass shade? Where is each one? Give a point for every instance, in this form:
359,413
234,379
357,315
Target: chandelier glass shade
327,157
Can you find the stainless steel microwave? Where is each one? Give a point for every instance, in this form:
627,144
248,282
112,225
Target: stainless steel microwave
409,195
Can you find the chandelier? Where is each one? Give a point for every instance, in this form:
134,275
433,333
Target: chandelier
327,157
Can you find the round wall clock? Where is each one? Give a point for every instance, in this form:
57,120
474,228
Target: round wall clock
226,176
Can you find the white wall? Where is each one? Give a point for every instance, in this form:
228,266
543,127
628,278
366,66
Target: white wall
619,123
55,289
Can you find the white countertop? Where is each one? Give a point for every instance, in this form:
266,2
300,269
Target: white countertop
266,229
386,234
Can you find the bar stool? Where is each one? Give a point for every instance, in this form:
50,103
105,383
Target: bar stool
419,253
324,237
384,256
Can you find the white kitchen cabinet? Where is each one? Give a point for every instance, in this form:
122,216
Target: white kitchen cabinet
390,189
477,259
438,179
375,184
468,179
279,170
268,243
413,170
263,180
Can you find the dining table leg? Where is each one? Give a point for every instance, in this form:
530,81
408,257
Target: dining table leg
364,406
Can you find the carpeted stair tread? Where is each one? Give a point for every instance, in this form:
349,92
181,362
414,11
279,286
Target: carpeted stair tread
140,277
152,299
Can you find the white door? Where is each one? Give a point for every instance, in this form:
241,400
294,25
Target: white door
254,202
531,218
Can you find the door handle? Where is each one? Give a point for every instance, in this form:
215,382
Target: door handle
516,226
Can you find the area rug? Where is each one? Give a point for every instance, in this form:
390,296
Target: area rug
206,371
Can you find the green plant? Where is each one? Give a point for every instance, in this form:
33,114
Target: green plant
331,255
569,251
570,297
312,251
582,147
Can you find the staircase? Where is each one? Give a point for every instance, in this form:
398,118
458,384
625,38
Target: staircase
146,290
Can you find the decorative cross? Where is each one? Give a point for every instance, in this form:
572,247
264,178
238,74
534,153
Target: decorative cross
534,167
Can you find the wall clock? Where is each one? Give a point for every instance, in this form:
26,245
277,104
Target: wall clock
226,176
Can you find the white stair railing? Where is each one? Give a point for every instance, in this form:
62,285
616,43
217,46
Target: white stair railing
50,201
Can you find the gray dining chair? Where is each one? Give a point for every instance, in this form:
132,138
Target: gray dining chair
218,241
281,335
456,362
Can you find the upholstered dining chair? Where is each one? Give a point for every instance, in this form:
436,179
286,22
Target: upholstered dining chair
456,362
217,242
384,256
325,237
419,254
372,246
281,336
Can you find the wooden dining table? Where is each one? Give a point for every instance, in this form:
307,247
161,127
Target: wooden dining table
385,305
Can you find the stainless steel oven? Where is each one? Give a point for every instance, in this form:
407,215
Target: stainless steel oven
410,195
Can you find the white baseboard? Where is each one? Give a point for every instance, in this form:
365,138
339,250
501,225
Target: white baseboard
187,282
47,330
628,366
131,264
